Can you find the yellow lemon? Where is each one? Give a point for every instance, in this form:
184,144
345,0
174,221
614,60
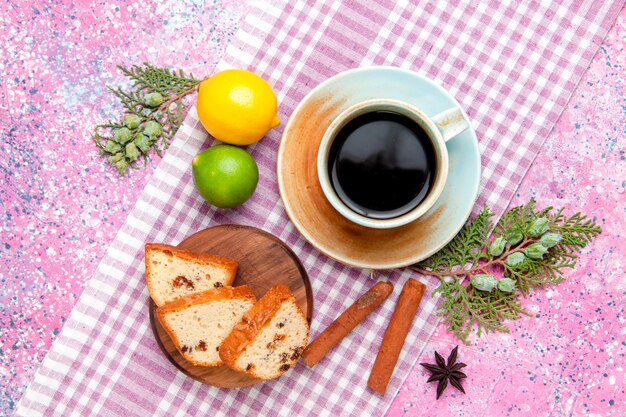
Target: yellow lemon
237,106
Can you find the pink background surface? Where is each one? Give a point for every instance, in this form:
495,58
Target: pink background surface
61,205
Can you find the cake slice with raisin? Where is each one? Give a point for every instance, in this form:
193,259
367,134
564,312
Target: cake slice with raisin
270,337
172,273
197,323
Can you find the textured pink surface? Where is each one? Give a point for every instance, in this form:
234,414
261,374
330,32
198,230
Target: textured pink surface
61,205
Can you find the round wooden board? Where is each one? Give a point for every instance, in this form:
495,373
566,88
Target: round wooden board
264,261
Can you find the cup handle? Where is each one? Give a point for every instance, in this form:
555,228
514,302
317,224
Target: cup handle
450,123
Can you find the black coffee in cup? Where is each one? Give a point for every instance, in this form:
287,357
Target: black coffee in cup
382,164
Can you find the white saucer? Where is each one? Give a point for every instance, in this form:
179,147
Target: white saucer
321,224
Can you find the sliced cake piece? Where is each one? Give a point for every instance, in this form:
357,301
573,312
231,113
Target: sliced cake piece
270,337
172,273
197,323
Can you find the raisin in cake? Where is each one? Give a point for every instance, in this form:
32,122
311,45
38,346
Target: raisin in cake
197,323
172,273
270,337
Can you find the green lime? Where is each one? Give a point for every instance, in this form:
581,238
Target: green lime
225,176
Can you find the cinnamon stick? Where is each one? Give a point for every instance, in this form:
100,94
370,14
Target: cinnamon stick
394,337
345,323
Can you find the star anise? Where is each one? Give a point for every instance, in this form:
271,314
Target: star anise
443,372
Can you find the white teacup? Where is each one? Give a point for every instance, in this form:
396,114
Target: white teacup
438,130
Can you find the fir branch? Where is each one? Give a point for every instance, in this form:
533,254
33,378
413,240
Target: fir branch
162,80
483,272
131,100
153,111
465,247
576,230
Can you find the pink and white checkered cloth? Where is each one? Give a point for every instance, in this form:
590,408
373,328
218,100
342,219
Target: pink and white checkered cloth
512,65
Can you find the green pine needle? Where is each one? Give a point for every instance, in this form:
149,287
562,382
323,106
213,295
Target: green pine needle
466,307
466,246
153,111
